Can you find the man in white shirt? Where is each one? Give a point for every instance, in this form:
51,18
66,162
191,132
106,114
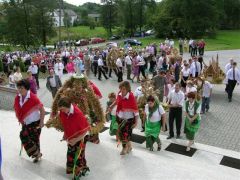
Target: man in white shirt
58,68
141,63
119,64
197,67
227,67
100,68
34,70
233,76
176,100
128,62
206,95
192,68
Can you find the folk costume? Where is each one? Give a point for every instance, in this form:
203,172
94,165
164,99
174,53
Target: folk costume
153,124
114,125
191,128
127,111
75,126
27,113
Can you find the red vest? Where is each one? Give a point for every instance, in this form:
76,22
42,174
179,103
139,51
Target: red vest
75,124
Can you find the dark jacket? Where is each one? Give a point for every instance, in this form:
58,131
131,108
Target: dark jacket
58,82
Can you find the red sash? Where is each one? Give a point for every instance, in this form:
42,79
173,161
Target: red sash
75,124
32,104
127,105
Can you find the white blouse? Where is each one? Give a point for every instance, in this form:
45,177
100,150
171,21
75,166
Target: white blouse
185,72
191,109
156,116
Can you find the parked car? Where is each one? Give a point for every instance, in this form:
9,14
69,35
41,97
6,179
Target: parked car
112,44
149,32
115,37
97,40
133,42
82,42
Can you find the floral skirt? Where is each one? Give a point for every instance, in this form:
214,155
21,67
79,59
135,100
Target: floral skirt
76,162
125,128
30,138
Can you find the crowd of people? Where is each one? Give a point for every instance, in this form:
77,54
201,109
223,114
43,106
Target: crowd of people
177,82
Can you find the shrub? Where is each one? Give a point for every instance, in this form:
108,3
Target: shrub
1,66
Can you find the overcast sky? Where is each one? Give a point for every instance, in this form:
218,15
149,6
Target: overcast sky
80,2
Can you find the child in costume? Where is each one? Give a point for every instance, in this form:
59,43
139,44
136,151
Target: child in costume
112,115
75,127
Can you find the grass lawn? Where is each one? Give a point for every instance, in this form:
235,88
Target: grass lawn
225,40
80,32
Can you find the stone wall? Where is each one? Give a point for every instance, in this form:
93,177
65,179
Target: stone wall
7,96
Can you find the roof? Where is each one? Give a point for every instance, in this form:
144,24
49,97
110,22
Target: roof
69,12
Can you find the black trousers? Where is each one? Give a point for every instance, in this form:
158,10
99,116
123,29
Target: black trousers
142,70
100,72
110,72
175,114
36,77
95,68
230,87
120,75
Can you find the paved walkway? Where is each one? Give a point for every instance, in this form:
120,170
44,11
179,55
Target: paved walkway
220,127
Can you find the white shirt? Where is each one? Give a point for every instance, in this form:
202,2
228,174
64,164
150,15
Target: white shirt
58,68
185,72
207,87
126,114
141,61
192,69
65,54
156,116
17,77
197,66
33,116
128,60
170,88
177,98
100,62
119,63
227,67
191,109
52,81
230,74
191,89
11,79
138,92
33,69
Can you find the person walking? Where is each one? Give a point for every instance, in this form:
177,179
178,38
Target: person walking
75,127
159,83
154,114
192,118
34,69
30,114
206,95
233,76
53,83
101,69
128,62
176,100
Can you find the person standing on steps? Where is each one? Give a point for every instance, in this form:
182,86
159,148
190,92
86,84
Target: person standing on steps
192,110
30,114
176,100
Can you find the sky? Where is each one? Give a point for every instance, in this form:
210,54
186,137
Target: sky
80,2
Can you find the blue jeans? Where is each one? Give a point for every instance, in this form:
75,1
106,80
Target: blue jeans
205,104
